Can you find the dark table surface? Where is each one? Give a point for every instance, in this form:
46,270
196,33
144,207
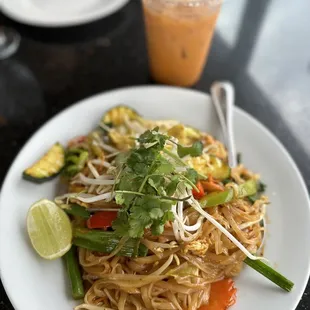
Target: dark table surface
262,46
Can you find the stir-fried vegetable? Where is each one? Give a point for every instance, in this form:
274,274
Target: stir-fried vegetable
270,274
247,188
117,115
222,295
107,242
46,167
261,187
217,198
73,270
186,135
211,186
217,168
200,192
102,219
76,210
75,159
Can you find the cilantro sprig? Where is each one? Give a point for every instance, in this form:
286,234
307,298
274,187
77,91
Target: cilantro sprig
147,184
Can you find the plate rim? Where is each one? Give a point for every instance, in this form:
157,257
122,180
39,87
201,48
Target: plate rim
159,88
74,21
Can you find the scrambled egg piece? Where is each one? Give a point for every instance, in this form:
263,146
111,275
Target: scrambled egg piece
197,247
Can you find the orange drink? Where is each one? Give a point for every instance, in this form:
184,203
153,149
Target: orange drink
179,35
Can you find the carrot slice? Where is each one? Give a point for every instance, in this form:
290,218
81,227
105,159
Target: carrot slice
200,193
211,187
222,295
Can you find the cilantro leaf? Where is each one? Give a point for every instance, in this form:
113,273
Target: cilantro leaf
153,137
157,228
163,166
121,224
194,150
137,226
145,184
157,182
139,161
192,175
168,216
172,186
120,159
156,213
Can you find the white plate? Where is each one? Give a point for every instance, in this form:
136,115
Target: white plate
59,13
32,282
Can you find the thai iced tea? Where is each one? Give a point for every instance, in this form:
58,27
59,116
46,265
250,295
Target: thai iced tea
179,35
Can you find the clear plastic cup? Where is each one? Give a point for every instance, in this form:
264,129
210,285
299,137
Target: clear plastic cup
179,35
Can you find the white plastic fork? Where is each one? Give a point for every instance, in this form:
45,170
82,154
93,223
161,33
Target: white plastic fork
223,98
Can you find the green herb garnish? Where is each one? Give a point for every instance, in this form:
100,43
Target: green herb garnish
147,183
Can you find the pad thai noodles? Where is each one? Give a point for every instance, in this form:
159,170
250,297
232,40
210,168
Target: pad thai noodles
159,220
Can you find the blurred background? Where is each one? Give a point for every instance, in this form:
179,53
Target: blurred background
263,47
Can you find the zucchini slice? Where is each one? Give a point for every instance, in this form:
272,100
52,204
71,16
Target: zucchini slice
219,169
116,116
48,166
185,134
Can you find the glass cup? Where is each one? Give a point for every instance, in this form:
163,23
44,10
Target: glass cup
9,42
179,35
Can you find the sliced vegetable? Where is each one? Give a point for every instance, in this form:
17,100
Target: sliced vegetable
247,188
200,193
117,115
106,242
194,150
73,270
75,161
222,295
76,210
185,134
102,219
48,166
218,169
212,186
216,198
270,274
261,187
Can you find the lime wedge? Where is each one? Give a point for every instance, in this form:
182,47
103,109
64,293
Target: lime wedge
49,229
